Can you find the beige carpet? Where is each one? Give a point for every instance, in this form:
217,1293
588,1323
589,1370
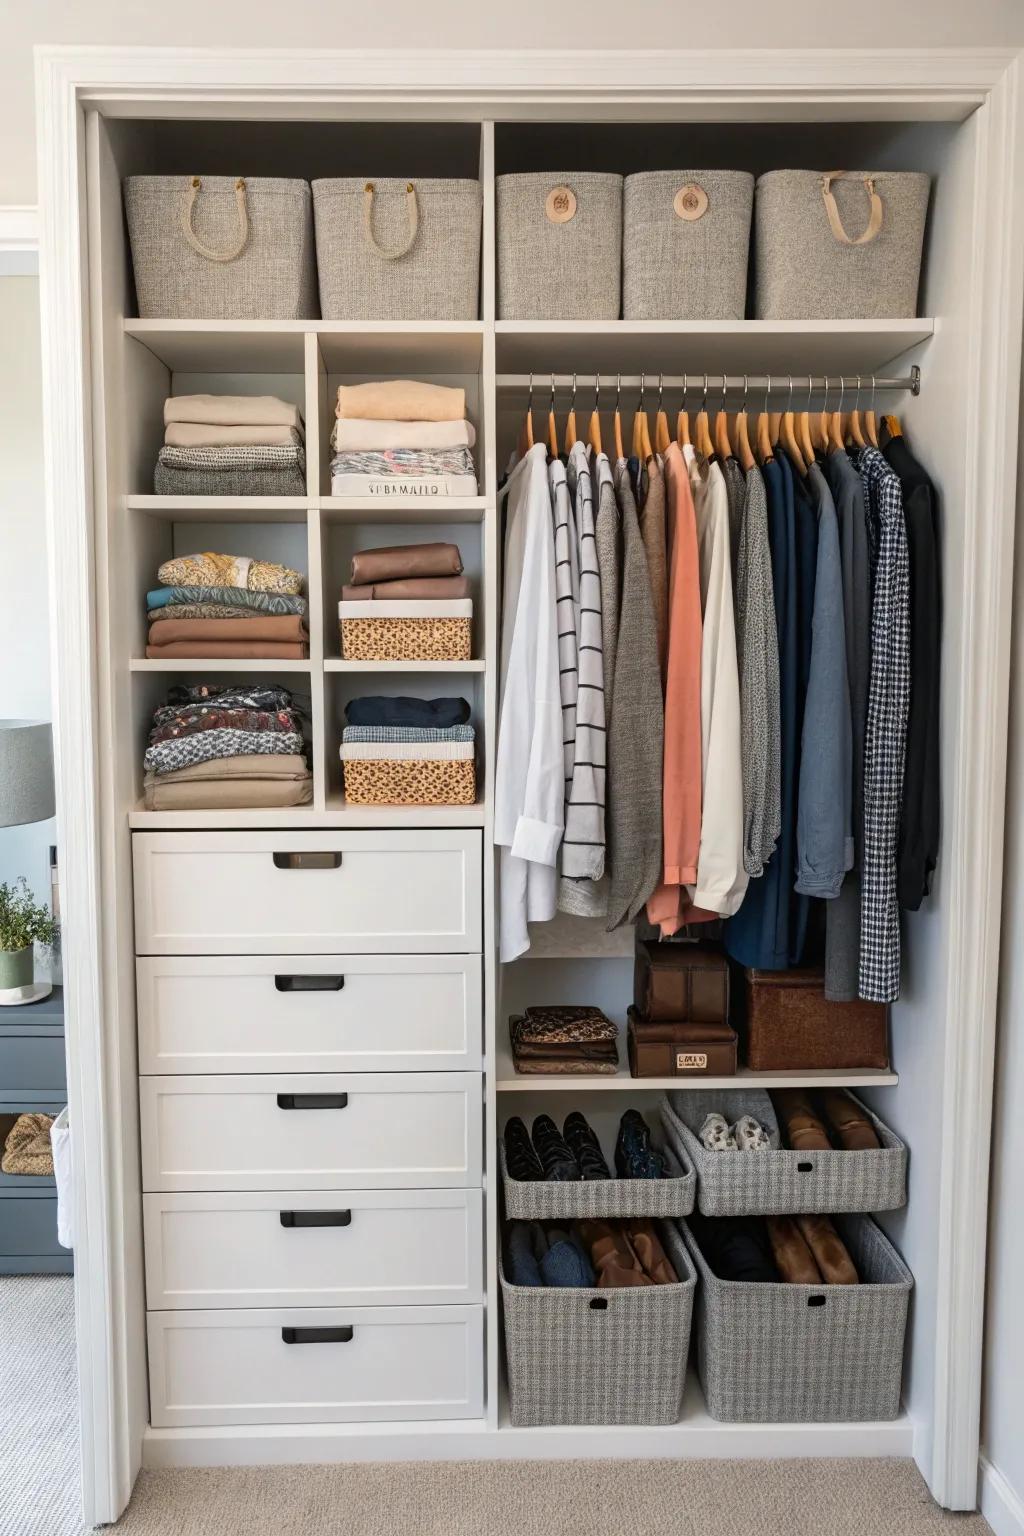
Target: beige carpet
531,1498
40,1477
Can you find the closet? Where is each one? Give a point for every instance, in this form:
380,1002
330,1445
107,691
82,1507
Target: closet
268,1120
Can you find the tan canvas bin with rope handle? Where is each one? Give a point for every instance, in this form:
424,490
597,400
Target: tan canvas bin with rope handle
839,245
222,247
390,249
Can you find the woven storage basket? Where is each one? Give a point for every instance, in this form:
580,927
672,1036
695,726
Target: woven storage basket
685,242
222,247
600,1356
790,1026
398,250
845,246
784,1354
406,631
420,782
777,1181
559,246
539,1200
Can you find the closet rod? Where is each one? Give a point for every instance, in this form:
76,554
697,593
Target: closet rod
715,383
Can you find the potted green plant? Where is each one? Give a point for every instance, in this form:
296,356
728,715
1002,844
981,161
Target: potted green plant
24,922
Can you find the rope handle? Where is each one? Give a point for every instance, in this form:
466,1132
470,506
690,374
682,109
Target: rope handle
874,223
195,186
412,210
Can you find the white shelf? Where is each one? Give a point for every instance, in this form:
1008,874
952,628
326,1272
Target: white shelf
332,664
224,509
336,814
401,509
224,346
697,346
508,1080
347,346
217,664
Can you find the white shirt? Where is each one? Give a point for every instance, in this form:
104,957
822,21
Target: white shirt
721,878
529,786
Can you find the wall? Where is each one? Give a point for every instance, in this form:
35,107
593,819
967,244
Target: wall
24,606
461,24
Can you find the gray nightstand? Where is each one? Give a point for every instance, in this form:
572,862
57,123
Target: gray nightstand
32,1078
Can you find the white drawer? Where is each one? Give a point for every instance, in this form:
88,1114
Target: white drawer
373,1363
318,1131
325,1013
307,893
347,1248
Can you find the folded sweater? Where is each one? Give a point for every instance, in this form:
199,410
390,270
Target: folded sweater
399,710
194,434
400,400
232,410
360,436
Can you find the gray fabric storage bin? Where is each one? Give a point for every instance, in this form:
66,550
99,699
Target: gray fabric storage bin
222,247
543,1200
777,1181
392,249
857,260
559,246
591,1355
685,243
805,1354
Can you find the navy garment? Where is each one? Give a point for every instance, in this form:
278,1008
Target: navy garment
806,519
381,710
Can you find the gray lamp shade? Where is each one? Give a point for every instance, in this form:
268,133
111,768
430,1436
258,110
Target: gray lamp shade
26,772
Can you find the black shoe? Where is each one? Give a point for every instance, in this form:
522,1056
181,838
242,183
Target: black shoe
560,1167
585,1147
520,1158
635,1158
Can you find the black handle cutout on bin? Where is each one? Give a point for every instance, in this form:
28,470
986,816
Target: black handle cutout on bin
309,983
316,1218
307,860
317,1335
599,1304
805,1167
312,1100
816,1301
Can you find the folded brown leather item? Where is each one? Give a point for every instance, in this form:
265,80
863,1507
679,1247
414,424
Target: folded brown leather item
281,628
531,1050
416,589
400,562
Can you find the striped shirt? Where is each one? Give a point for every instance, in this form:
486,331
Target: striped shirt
583,846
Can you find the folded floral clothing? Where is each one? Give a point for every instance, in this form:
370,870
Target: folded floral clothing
361,435
566,1025
228,482
408,733
403,462
229,650
407,751
200,610
184,751
189,698
399,562
417,589
193,434
376,709
232,410
213,570
170,598
400,400
223,720
278,628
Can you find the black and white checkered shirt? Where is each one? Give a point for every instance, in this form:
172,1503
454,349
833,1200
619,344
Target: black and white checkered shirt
886,732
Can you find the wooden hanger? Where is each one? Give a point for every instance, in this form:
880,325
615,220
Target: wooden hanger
641,428
552,423
702,427
892,425
744,452
870,423
594,429
570,420
764,437
787,435
617,418
819,424
723,447
526,430
661,432
854,430
803,431
835,425
683,421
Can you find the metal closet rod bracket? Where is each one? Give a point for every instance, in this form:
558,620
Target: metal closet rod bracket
765,383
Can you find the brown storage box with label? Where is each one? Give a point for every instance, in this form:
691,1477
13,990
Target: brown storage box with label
791,1026
671,1048
681,981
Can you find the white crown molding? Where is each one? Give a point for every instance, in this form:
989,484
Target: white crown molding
999,1502
19,240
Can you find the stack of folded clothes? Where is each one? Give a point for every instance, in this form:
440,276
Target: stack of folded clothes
575,1154
564,1040
404,751
213,748
407,602
606,1254
795,1250
231,445
401,437
227,606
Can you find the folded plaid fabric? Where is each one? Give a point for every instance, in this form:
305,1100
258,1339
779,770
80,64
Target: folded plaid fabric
391,733
290,456
183,751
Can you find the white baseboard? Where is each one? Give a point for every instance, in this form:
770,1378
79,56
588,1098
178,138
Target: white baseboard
1001,1505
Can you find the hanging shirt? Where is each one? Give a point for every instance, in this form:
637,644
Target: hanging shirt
652,530
885,739
757,646
721,877
529,788
566,609
608,538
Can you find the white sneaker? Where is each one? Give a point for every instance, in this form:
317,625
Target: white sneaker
716,1135
749,1135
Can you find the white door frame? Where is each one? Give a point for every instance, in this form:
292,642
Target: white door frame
126,82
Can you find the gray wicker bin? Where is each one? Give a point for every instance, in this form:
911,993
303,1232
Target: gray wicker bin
588,1355
685,243
843,246
398,250
222,247
802,1354
777,1181
539,1200
559,246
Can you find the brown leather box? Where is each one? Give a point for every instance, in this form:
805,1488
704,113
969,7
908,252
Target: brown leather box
681,981
791,1026
672,1048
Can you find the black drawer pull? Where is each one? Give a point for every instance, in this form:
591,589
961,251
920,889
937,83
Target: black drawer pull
307,860
312,1100
317,1335
316,1218
816,1301
805,1167
309,983
599,1304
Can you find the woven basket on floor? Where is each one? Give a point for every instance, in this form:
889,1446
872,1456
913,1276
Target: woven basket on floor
420,782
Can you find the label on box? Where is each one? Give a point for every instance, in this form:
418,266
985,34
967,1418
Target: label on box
691,1061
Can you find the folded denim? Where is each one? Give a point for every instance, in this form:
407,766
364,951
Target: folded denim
376,709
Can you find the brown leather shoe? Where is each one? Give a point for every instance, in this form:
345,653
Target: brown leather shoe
801,1127
829,1250
793,1258
853,1129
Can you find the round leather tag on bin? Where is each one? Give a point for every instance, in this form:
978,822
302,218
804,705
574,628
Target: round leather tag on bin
691,202
560,205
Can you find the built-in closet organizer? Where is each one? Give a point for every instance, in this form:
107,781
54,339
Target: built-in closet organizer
312,998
